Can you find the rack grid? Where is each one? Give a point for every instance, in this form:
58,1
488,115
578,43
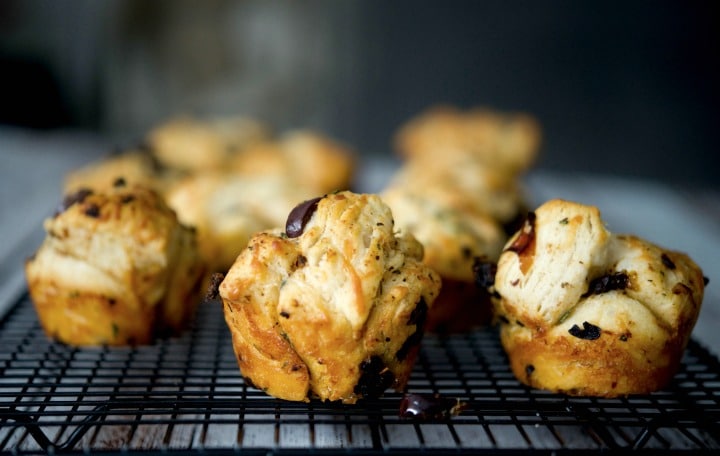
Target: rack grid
185,394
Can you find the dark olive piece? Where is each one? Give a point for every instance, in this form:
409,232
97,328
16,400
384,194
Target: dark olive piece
213,291
484,272
529,369
93,210
608,282
77,196
375,378
299,217
435,407
418,317
588,332
667,261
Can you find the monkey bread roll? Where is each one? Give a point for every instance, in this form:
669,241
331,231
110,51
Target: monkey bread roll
226,209
505,142
195,144
463,183
255,189
308,158
134,167
452,238
583,311
115,268
458,192
334,306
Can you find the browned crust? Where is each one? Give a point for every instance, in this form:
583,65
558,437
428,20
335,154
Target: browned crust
587,312
84,295
605,367
264,356
85,318
294,341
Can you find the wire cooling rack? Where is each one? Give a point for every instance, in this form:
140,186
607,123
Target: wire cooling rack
186,395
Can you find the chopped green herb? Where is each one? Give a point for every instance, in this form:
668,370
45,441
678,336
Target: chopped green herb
564,317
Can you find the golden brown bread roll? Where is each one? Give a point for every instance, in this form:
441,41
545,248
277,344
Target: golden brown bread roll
333,307
458,193
239,180
587,312
308,158
227,209
133,167
115,268
196,144
463,183
506,142
452,238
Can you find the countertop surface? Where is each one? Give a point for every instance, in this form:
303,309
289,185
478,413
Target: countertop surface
33,165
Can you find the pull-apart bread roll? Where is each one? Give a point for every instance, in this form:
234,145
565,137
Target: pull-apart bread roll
195,144
256,189
458,193
463,183
226,209
332,308
311,159
134,167
115,268
452,239
506,142
587,312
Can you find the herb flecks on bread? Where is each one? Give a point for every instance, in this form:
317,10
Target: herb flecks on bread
116,268
584,311
333,307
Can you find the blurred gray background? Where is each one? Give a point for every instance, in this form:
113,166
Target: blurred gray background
619,87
